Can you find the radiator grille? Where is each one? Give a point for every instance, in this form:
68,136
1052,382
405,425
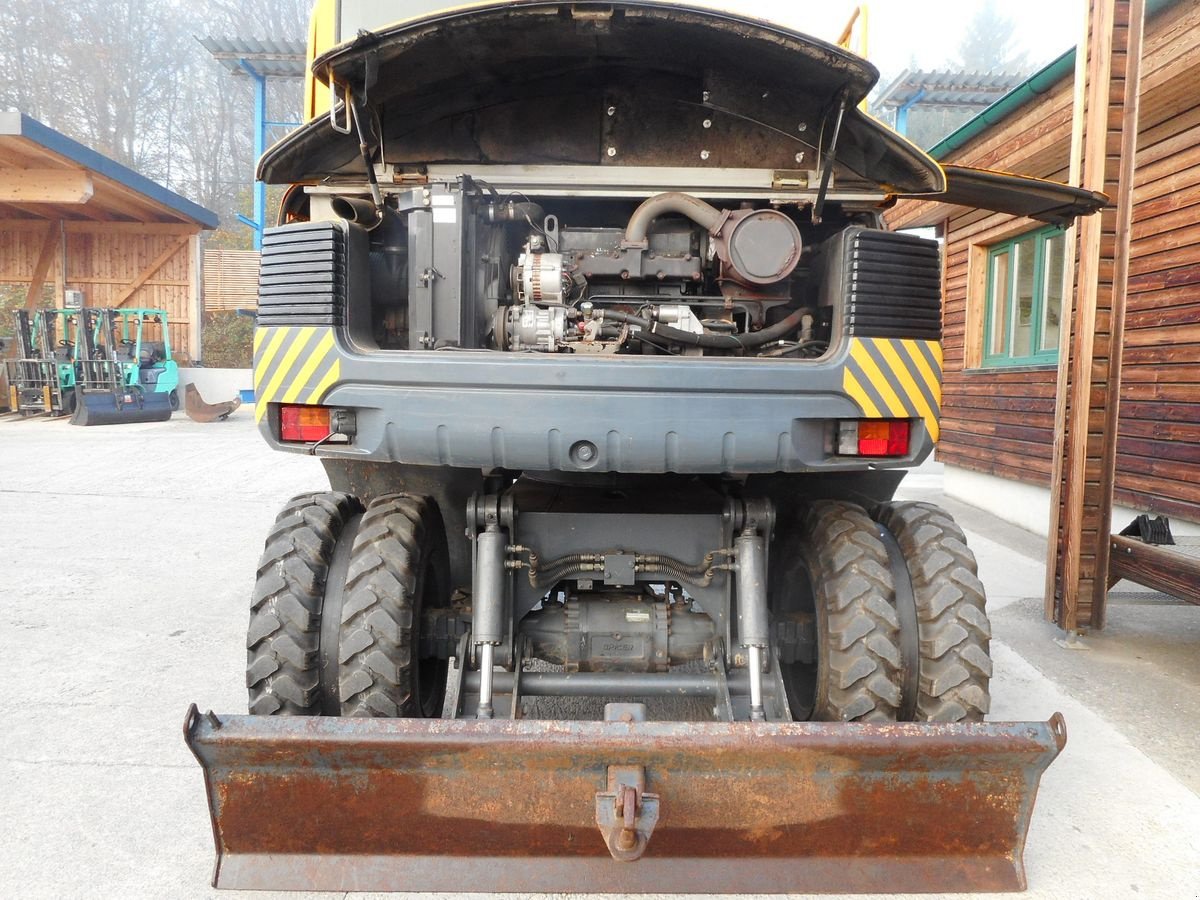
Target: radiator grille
302,278
894,286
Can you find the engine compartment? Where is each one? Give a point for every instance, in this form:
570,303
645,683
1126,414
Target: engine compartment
462,265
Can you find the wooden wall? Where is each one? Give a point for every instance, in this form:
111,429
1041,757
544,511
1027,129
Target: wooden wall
1001,422
230,279
114,264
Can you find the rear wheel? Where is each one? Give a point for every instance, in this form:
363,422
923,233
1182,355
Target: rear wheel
954,633
173,398
399,568
832,578
283,643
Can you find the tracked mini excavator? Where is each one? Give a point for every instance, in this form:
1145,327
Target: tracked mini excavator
589,312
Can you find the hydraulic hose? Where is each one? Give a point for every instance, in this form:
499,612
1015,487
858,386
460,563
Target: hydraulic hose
716,341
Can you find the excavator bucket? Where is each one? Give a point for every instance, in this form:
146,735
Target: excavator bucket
618,806
199,410
108,408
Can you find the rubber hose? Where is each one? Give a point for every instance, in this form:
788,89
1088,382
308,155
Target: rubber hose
716,341
513,211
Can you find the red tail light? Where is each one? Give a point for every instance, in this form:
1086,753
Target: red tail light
303,423
873,437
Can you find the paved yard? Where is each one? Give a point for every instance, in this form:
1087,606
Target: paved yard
130,556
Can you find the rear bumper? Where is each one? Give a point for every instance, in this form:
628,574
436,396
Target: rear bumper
543,412
427,805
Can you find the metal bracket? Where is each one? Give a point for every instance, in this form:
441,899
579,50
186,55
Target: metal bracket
625,813
723,704
341,127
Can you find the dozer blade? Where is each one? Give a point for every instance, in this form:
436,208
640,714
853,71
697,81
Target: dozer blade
502,805
105,408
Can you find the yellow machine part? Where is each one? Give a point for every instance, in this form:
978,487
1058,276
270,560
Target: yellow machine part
894,378
322,35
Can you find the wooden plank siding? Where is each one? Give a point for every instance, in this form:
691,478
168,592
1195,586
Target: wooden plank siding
104,262
1001,422
230,279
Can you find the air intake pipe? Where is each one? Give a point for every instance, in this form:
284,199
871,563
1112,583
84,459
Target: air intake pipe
757,246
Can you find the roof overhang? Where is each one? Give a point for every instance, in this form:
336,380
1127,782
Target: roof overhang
47,175
251,56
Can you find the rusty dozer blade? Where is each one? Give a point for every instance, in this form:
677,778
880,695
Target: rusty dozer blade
525,805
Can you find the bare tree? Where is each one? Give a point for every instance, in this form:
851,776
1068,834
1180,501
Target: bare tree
989,44
128,78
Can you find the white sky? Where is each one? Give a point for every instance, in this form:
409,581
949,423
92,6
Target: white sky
928,31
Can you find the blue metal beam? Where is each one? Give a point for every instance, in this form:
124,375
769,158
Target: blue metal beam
902,110
259,213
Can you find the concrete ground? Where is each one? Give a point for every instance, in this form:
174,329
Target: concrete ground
130,555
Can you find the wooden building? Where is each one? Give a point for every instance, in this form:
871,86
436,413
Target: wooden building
76,220
1030,414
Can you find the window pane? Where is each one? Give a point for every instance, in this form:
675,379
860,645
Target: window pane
1052,291
998,339
1022,326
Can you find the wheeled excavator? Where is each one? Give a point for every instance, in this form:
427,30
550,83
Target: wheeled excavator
590,314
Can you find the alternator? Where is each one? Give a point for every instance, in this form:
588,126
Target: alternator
539,277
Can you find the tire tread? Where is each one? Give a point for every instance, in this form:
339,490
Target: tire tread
860,655
954,631
282,640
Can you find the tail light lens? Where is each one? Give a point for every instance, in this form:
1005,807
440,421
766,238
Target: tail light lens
873,437
303,423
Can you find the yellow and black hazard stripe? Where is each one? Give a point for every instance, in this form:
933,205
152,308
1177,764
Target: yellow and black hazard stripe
293,364
890,378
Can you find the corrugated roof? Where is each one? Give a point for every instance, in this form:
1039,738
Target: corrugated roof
945,87
34,145
278,59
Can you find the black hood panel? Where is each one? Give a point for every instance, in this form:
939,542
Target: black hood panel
629,84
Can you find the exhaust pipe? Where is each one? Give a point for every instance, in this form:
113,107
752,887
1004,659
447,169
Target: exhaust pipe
357,210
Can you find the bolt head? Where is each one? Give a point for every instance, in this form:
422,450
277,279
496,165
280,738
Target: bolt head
799,157
707,123
704,154
803,126
612,110
612,151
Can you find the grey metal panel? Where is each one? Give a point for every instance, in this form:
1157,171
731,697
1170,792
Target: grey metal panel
481,409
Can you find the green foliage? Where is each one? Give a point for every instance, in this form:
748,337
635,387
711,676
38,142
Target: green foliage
12,296
227,341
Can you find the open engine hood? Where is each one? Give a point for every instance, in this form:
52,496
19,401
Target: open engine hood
604,84
1018,195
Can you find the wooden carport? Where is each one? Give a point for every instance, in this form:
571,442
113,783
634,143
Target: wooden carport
74,219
